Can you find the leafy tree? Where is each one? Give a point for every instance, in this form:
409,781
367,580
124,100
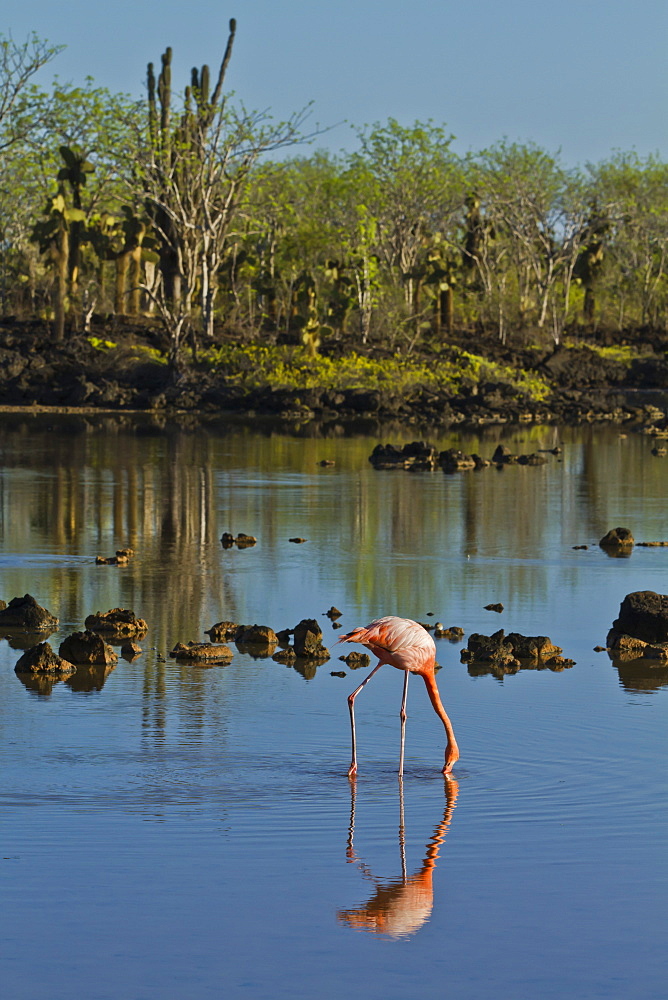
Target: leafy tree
412,185
538,217
632,194
99,130
18,64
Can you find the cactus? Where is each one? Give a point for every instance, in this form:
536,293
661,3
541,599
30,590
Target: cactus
52,234
74,174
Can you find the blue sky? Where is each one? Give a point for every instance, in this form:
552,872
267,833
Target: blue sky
582,76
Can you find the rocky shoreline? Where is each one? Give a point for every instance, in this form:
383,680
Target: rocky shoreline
74,376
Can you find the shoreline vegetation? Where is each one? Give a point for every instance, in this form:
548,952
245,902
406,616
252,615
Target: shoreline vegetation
174,254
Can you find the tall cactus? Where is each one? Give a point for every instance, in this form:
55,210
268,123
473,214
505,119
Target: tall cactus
181,195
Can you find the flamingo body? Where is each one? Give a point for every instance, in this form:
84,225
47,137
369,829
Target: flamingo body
399,641
406,645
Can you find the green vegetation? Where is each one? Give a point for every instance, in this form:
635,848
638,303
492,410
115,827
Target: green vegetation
168,212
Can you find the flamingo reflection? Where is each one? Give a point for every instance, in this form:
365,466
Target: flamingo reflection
399,908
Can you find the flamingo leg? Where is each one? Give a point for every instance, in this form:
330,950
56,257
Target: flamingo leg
352,770
402,716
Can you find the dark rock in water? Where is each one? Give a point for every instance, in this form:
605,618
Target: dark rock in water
355,660
118,621
308,640
489,649
87,647
41,659
557,663
242,540
286,655
533,459
262,634
326,462
298,541
201,652
223,631
454,632
122,558
580,546
283,635
337,625
504,456
333,612
418,456
454,460
617,538
508,650
130,650
532,647
624,647
25,612
643,615
494,607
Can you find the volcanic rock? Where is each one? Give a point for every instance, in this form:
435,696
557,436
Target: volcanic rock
87,647
454,460
130,650
41,659
355,659
308,640
25,612
201,652
222,631
642,615
532,647
286,655
617,538
118,621
489,649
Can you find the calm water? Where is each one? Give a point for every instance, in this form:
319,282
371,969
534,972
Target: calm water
175,832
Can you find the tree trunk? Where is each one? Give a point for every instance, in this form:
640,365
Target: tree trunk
61,256
120,289
448,309
589,308
134,294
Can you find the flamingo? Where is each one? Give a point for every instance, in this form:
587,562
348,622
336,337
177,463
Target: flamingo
407,646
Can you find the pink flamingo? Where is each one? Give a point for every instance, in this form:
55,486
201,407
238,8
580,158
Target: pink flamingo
407,646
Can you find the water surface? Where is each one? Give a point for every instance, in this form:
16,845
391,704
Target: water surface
176,831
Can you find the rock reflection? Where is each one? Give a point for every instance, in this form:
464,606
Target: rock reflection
39,684
640,674
89,677
399,908
23,639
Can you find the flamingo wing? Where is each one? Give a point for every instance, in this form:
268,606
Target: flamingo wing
394,634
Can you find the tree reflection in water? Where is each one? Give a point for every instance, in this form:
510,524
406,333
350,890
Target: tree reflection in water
399,908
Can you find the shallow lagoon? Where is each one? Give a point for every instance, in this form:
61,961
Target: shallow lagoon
174,831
